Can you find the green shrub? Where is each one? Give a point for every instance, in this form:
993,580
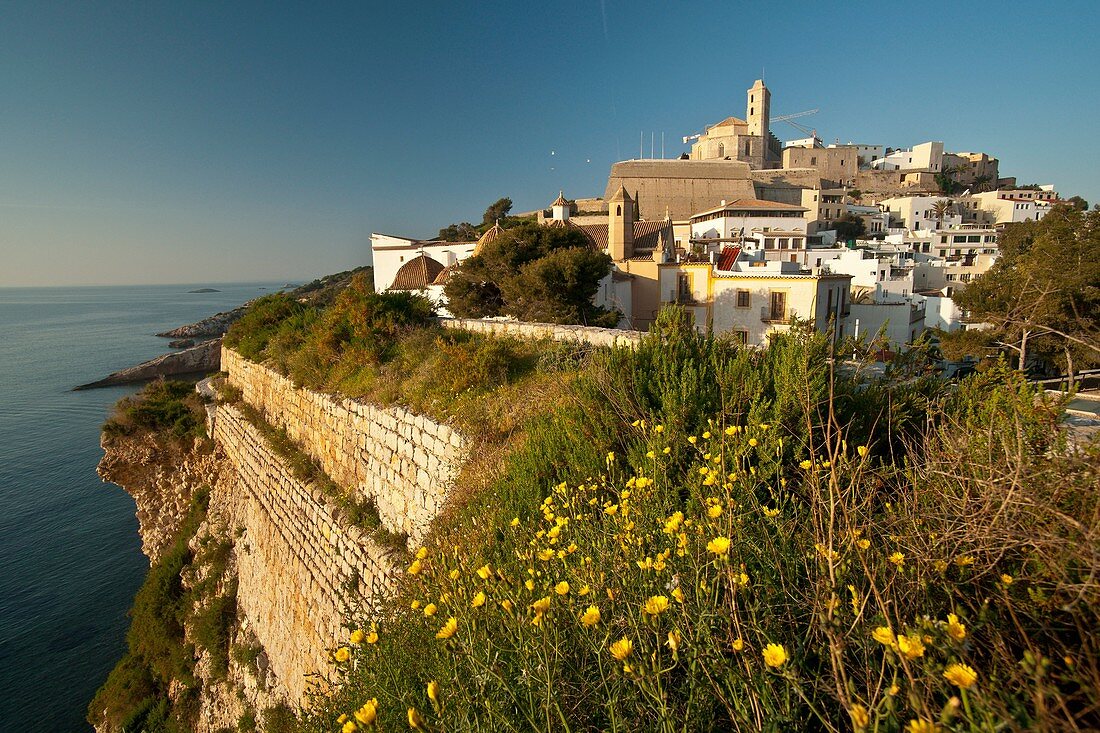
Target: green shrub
170,407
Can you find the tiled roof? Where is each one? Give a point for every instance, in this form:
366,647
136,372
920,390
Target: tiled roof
441,278
728,257
490,234
560,200
417,274
752,205
729,122
647,235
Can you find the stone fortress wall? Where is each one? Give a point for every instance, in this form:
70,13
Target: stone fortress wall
404,462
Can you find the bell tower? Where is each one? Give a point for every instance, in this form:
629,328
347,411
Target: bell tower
620,225
758,110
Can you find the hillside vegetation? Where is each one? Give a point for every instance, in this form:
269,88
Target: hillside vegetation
697,536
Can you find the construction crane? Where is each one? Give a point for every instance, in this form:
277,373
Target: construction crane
781,118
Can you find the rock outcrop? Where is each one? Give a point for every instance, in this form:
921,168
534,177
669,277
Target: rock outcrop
215,325
200,359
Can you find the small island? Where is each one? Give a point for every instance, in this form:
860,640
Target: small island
204,290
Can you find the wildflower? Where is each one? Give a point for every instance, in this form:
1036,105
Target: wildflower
863,544
775,655
585,590
911,646
719,546
357,636
860,718
546,554
764,426
771,513
678,595
484,572
862,451
562,588
591,616
666,450
806,464
655,605
743,579
621,649
738,644
415,568
883,635
342,718
672,524
922,726
415,604
430,609
961,675
367,714
372,637
611,510
753,442
674,641
454,574
893,690
692,439
342,654
963,560
416,721
714,511
898,559
955,630
514,522
507,605
478,600
422,553
529,584
658,428
1006,579
447,630
433,691
610,457
349,727
651,455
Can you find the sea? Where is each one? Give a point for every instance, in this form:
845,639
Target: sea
70,556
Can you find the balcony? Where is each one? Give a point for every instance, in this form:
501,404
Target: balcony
770,315
683,297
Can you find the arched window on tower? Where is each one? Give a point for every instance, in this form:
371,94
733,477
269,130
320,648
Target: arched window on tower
721,150
618,211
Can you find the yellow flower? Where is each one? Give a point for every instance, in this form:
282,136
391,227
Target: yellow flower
960,675
342,654
911,646
656,605
454,574
738,644
357,636
562,588
719,546
430,609
367,714
658,428
883,635
448,629
862,451
507,605
349,727
585,590
806,464
963,560
771,512
622,648
775,655
416,721
678,595
860,718
545,555
415,568
342,718
955,630
514,522
898,559
484,572
433,691
651,455
923,726
540,607
422,553
529,584
692,439
764,426
863,544
372,637
706,435
666,450
674,641
1006,579
591,616
478,600
753,442
714,511
613,509
610,457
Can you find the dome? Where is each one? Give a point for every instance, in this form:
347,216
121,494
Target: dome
417,274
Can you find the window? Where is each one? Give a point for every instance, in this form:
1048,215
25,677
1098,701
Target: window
742,298
721,150
813,160
769,243
683,286
973,238
618,211
740,337
778,306
783,242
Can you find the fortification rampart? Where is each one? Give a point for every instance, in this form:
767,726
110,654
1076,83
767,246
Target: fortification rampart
557,332
299,566
405,463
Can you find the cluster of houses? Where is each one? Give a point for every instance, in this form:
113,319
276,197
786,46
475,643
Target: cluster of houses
743,233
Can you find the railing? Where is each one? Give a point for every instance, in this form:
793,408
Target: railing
768,315
685,298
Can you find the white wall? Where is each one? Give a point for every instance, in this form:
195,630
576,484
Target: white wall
898,318
390,253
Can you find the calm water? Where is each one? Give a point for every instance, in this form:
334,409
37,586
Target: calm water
70,557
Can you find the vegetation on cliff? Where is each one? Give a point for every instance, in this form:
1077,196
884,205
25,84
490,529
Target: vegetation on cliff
167,407
698,536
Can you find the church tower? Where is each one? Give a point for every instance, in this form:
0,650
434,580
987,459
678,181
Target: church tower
620,225
758,110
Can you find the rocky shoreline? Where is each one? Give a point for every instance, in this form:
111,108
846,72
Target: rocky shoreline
194,361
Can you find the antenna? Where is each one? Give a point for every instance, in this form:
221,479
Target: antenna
662,144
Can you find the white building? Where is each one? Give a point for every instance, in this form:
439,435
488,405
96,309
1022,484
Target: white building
918,212
924,157
1008,207
864,153
902,322
390,253
745,216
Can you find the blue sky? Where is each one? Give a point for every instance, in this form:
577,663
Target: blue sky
204,142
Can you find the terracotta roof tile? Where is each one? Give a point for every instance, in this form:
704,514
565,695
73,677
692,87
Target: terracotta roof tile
417,274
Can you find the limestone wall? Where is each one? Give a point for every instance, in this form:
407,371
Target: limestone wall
582,334
299,568
405,462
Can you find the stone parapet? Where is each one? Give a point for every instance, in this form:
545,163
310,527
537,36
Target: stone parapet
555,331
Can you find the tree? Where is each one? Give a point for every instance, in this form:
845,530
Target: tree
855,194
981,183
941,209
461,232
849,227
1042,296
946,182
497,210
532,272
1078,203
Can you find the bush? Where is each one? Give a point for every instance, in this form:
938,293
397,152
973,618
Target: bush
170,407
